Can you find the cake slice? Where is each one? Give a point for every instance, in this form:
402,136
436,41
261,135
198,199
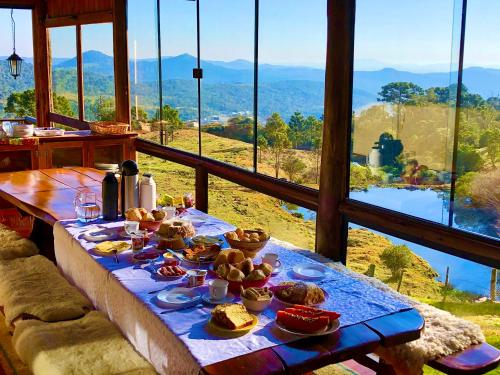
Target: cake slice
232,316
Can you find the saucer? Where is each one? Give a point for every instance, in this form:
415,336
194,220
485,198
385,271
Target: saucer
206,298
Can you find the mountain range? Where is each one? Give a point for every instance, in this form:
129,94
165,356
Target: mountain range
228,86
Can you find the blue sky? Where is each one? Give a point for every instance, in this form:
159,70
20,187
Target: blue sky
400,33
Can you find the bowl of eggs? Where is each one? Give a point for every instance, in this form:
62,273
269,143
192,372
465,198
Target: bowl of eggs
250,241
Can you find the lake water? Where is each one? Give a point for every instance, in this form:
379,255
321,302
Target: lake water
430,205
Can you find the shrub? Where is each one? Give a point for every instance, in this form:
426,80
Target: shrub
396,258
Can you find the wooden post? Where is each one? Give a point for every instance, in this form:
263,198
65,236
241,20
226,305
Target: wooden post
79,73
493,285
41,54
201,197
331,225
447,278
120,47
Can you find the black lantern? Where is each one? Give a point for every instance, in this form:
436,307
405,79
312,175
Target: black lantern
15,62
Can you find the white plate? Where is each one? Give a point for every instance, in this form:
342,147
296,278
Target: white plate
310,271
98,235
160,275
334,326
227,299
178,296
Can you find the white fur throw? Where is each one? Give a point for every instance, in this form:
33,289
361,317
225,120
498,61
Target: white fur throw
443,334
91,345
12,245
33,287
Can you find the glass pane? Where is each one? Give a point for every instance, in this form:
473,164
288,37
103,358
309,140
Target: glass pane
421,273
249,209
477,198
292,55
144,78
179,89
98,72
22,89
227,50
171,178
404,112
64,71
67,157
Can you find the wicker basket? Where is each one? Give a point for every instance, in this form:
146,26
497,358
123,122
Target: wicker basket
109,127
250,249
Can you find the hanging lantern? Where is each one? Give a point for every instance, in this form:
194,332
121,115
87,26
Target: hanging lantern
15,62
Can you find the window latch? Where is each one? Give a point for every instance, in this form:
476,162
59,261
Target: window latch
197,73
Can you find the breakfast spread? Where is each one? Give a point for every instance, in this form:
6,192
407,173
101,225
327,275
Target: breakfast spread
232,265
247,235
173,227
141,214
171,271
306,319
256,294
232,316
110,246
299,293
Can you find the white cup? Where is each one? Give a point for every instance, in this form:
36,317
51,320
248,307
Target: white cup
169,212
272,259
217,289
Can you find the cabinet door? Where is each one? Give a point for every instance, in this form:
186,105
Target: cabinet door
106,152
63,154
15,160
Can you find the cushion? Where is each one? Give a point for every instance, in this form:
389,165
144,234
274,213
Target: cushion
90,345
12,245
33,288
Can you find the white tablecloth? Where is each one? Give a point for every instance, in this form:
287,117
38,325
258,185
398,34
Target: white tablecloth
178,341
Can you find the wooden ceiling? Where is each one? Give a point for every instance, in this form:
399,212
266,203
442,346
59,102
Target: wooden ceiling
62,8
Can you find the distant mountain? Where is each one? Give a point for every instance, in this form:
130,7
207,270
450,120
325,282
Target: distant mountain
93,61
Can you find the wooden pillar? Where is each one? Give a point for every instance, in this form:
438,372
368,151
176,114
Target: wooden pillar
201,189
79,73
331,225
41,62
120,45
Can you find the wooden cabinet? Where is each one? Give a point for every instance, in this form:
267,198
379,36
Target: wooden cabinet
74,149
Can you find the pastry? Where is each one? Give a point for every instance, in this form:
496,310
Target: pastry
256,294
235,275
232,236
175,243
255,275
231,316
266,268
246,266
148,217
300,293
172,227
158,214
239,232
231,256
133,214
224,269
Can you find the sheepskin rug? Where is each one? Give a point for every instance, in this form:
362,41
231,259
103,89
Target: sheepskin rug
443,333
13,246
91,345
33,288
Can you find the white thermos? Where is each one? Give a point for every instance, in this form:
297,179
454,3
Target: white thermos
147,192
129,186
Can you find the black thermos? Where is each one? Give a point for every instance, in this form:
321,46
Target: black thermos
110,197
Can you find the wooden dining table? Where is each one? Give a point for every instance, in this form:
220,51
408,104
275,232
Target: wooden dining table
48,196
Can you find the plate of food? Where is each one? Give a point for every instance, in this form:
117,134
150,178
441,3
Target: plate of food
170,272
291,293
310,271
232,318
256,299
201,254
99,234
206,240
307,321
178,297
231,265
108,248
147,255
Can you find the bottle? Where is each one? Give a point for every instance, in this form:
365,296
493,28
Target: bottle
147,192
130,186
110,197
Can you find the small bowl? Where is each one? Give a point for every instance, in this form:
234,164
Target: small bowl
151,226
257,306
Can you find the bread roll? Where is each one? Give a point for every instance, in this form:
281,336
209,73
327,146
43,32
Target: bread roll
224,269
266,268
235,275
235,256
246,266
256,275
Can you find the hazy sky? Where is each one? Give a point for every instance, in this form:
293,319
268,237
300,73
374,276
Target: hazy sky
390,32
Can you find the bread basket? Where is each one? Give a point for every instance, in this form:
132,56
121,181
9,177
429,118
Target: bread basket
250,249
108,127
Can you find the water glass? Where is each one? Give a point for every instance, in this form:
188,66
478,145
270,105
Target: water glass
86,206
131,227
137,241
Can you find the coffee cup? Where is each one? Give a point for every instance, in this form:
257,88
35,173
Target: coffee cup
272,259
217,289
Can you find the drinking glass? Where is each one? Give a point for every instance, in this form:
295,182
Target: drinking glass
131,227
138,240
86,206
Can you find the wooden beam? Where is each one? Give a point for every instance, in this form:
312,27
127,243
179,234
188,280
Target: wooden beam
18,4
79,73
456,242
80,19
331,228
201,196
41,63
120,48
68,121
297,194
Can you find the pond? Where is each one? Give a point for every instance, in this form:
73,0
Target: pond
431,205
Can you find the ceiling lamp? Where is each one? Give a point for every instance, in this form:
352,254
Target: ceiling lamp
15,62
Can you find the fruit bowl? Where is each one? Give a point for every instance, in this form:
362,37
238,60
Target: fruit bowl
250,249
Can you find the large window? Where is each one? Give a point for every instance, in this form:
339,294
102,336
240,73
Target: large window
20,92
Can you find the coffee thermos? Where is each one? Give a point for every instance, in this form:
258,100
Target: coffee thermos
129,185
110,197
147,192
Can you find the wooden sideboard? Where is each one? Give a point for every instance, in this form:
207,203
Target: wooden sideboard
74,149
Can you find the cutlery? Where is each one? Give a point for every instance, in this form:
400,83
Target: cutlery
115,252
